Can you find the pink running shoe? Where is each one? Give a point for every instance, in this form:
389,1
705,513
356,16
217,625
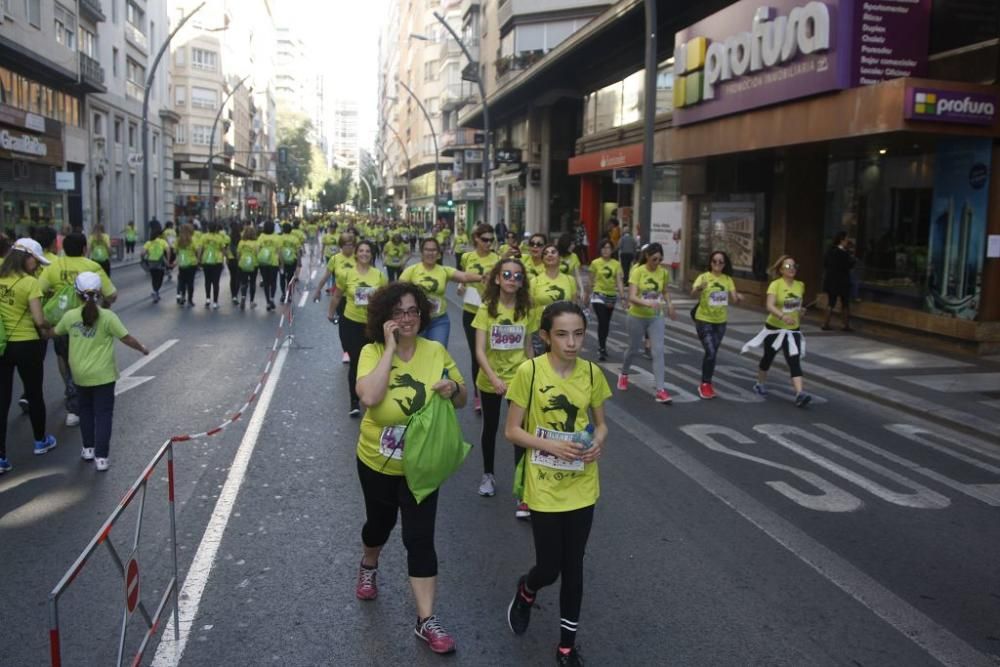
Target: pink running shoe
432,632
367,589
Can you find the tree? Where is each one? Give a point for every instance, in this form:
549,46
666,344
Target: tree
294,174
335,191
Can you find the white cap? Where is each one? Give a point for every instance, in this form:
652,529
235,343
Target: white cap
33,248
88,281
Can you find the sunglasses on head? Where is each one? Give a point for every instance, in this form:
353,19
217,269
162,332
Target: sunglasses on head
516,276
537,244
486,239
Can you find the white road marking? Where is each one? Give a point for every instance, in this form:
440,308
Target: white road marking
128,380
170,652
312,276
302,301
956,382
941,644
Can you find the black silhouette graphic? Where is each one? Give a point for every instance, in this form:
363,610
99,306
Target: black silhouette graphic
546,389
558,292
652,285
560,402
608,273
430,284
409,406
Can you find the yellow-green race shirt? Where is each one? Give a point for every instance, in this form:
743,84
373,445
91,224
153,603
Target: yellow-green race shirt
649,285
788,299
604,273
472,262
92,349
394,253
15,293
713,304
505,340
433,283
64,270
357,289
545,290
569,264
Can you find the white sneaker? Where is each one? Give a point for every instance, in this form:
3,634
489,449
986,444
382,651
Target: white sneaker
345,358
72,419
215,306
87,453
101,464
488,485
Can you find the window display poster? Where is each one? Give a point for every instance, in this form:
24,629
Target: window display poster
729,227
957,245
665,229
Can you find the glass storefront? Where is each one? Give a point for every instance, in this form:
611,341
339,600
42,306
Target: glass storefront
23,210
22,93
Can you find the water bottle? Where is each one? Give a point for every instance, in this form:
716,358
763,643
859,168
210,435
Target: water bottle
585,437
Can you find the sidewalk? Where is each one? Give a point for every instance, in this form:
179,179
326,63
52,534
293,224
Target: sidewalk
963,393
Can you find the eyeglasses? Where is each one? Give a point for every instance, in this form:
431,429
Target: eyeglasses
486,239
537,244
399,314
794,267
429,249
516,276
718,261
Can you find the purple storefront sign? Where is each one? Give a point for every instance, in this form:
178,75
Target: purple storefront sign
755,53
949,106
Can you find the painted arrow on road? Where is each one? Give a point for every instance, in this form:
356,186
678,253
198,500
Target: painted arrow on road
128,379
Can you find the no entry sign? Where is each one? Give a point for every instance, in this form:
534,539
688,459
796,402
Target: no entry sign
131,584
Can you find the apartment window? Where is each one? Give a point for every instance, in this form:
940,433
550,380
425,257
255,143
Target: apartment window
428,144
132,132
431,68
201,135
180,96
204,59
156,143
98,127
114,60
118,130
181,136
432,105
135,16
179,56
33,12
204,98
135,79
65,23
88,43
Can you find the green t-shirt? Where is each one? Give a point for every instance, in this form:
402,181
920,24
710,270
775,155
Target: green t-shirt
187,256
339,263
130,234
604,274
357,289
713,305
156,250
569,264
394,253
246,255
534,268
92,350
649,285
64,270
267,250
789,299
409,386
16,291
473,262
213,248
100,247
505,341
545,290
559,409
289,248
433,282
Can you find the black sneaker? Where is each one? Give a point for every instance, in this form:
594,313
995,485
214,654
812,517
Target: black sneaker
355,409
602,354
23,403
519,610
571,659
802,399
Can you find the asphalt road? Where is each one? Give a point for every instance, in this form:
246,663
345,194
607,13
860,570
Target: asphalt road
738,531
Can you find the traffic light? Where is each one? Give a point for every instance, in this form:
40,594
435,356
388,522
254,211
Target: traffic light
450,203
282,155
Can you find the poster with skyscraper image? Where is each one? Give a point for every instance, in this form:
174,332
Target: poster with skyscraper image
957,245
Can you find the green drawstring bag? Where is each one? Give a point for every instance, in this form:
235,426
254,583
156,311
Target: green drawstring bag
435,447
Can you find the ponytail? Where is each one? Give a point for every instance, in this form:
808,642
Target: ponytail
90,311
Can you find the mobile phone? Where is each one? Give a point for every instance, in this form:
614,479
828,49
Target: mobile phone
395,334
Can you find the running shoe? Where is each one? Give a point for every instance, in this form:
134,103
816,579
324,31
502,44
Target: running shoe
156,297
355,409
235,301
622,382
345,358
72,419
87,453
367,588
253,304
662,396
46,445
522,511
648,353
208,304
759,389
215,305
477,405
706,391
101,464
5,466
432,632
23,402
488,485
802,399
602,354
569,657
519,609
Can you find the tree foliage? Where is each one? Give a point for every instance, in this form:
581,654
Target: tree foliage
293,135
335,191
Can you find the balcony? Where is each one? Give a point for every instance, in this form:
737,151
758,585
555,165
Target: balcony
455,96
449,48
136,38
471,189
91,75
469,6
517,62
459,138
507,10
91,9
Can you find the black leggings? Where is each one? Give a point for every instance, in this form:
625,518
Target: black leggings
352,337
491,423
794,363
560,544
185,282
213,273
386,496
711,339
470,338
287,274
603,312
393,272
130,247
156,278
269,274
248,281
27,357
234,278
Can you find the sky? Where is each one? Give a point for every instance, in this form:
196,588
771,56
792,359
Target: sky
342,38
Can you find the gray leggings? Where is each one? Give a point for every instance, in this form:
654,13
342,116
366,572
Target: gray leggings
638,329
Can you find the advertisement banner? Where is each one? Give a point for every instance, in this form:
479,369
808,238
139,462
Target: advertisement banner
729,227
957,246
666,223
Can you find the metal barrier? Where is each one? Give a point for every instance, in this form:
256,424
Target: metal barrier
129,569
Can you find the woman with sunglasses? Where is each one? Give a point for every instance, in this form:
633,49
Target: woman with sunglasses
549,286
534,263
569,261
512,247
785,299
433,279
714,289
503,325
479,261
357,285
647,296
396,374
606,278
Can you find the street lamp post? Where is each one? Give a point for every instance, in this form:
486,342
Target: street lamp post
145,118
211,149
437,167
649,125
369,188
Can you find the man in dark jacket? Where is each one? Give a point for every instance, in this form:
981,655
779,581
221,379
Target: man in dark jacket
837,280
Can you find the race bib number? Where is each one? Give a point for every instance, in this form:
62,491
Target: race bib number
362,295
507,336
390,443
653,296
546,460
472,297
791,305
435,305
718,299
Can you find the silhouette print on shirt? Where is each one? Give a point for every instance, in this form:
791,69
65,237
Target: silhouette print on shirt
409,406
